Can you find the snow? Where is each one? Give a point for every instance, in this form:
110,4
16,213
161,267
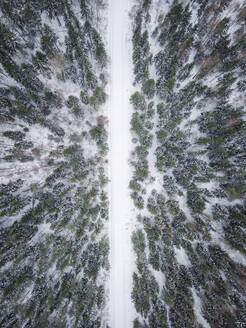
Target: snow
181,256
35,171
27,293
198,310
43,229
156,184
160,278
51,270
161,7
234,254
58,28
183,204
194,14
6,266
121,217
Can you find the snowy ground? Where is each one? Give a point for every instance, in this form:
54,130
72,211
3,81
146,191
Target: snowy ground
121,210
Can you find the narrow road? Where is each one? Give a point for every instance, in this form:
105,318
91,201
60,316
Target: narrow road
121,258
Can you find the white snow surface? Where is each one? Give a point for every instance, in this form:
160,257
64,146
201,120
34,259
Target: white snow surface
43,229
121,308
181,256
198,309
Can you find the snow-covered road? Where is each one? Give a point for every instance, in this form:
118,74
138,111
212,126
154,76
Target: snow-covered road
121,215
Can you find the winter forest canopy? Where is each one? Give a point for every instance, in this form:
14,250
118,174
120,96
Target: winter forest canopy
186,158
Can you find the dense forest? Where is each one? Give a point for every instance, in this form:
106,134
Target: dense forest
189,182
188,164
54,202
